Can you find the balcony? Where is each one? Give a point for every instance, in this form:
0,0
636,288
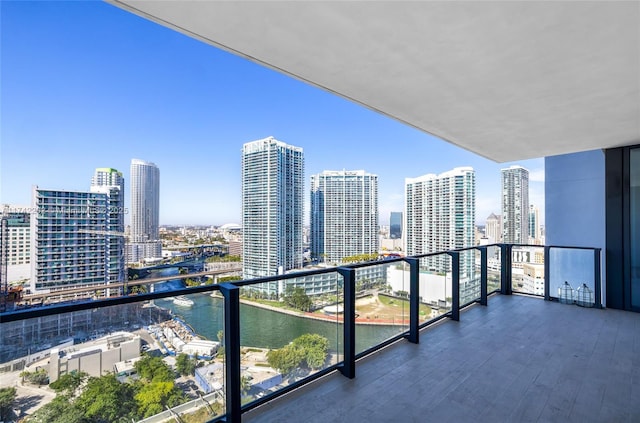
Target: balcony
458,345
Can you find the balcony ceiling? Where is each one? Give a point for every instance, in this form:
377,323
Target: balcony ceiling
506,80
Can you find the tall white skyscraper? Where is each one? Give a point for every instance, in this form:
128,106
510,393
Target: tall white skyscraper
109,181
145,212
272,208
440,215
344,214
515,205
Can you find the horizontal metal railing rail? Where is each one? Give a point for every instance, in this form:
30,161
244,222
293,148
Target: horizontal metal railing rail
230,292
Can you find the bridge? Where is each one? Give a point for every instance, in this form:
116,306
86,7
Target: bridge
95,289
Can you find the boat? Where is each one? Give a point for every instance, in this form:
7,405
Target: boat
181,300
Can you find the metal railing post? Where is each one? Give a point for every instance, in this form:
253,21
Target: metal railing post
414,300
597,283
483,276
505,269
455,284
348,369
547,273
231,294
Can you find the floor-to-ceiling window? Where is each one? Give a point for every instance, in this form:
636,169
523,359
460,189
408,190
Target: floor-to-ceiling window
634,226
623,227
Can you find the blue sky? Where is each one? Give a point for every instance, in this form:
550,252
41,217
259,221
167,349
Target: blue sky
86,85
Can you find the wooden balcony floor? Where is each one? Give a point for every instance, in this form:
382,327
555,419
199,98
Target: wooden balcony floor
520,359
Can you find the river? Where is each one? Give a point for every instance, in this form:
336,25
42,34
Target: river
265,328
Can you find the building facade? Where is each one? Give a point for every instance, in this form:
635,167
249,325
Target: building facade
110,182
144,241
493,228
15,244
440,216
272,208
515,205
534,225
344,215
71,247
395,225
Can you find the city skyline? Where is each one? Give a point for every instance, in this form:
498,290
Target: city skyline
80,75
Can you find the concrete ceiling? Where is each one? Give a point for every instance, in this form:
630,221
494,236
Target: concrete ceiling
506,80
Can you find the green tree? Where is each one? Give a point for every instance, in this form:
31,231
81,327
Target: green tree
69,383
60,410
37,377
185,365
314,348
296,297
105,400
285,359
153,369
222,279
191,282
7,398
245,384
308,350
153,397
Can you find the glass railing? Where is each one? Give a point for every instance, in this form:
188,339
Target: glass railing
527,264
214,351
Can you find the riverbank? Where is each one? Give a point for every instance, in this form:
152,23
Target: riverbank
367,320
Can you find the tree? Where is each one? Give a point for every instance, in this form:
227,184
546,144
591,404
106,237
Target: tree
296,297
285,359
69,383
153,369
309,349
314,347
38,377
152,398
229,278
185,365
60,410
7,398
105,400
245,384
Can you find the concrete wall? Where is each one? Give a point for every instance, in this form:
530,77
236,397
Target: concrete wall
575,202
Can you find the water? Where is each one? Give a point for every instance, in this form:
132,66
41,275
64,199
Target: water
265,328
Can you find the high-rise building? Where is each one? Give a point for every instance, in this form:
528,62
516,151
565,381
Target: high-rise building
395,225
15,243
344,214
72,240
145,212
493,228
515,205
440,216
272,208
534,225
109,181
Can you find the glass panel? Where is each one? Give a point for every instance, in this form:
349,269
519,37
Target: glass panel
574,266
469,276
494,269
195,335
634,217
289,329
382,303
131,359
435,286
527,270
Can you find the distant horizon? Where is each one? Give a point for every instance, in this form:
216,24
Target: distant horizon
87,85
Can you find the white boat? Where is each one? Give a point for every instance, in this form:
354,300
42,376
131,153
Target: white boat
181,300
